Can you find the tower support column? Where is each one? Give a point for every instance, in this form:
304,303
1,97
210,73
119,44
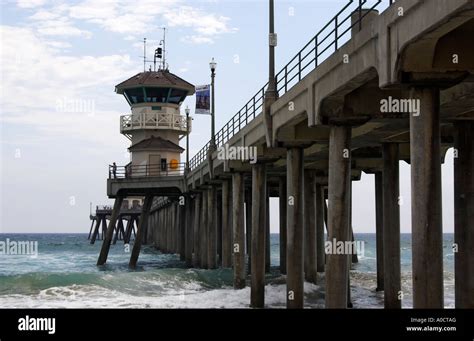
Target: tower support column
141,228
104,251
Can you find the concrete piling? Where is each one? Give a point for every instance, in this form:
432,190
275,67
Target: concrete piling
391,226
320,203
188,232
104,251
464,214
259,225
238,247
212,229
141,228
379,229
295,229
248,226
226,227
339,183
283,202
309,224
204,230
267,231
197,231
427,238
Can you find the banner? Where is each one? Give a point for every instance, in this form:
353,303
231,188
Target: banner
203,99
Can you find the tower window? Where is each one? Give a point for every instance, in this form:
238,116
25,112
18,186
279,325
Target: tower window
156,94
135,95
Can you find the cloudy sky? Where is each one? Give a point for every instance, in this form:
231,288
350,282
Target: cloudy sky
54,155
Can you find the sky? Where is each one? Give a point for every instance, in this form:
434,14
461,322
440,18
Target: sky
59,115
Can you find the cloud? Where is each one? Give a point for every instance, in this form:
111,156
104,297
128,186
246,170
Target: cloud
36,77
131,18
30,3
61,27
206,25
197,39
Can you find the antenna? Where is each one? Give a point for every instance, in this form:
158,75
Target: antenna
144,54
164,48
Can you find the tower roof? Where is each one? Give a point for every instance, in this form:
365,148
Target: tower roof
161,78
156,142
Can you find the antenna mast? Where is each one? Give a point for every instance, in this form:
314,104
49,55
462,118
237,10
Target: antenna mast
144,54
164,48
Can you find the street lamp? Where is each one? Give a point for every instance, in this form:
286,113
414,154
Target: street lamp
187,111
212,65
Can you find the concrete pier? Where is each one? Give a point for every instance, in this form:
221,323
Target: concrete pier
464,214
427,238
238,247
339,184
391,226
259,224
339,119
295,229
283,202
226,226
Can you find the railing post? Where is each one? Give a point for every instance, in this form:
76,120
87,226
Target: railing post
360,15
286,78
246,113
299,66
335,32
316,51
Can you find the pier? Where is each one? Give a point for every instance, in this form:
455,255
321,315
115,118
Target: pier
382,82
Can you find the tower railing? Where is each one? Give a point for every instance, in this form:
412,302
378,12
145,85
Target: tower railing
148,170
153,121
328,40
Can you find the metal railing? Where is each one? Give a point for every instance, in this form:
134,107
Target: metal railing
153,121
332,35
140,171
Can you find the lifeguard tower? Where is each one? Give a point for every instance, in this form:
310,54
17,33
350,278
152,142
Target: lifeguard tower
155,124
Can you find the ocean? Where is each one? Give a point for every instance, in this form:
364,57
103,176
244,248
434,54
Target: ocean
64,275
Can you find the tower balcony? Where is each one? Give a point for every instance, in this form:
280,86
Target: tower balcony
165,121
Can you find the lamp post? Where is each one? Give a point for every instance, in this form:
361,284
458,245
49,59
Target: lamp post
212,65
187,111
